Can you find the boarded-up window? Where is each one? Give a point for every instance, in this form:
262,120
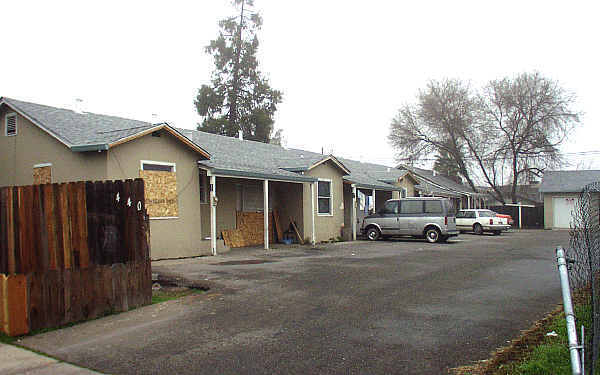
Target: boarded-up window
42,174
160,186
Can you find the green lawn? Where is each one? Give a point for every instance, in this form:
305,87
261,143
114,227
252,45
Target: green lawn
551,356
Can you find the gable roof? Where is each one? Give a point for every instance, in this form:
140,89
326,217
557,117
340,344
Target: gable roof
84,131
568,181
228,156
438,183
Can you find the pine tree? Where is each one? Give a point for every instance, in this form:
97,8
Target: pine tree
239,96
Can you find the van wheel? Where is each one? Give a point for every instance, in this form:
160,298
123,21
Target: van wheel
373,234
477,228
433,235
497,233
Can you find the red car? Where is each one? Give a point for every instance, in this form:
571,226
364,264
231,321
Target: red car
508,217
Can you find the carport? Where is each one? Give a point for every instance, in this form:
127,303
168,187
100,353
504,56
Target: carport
252,189
377,192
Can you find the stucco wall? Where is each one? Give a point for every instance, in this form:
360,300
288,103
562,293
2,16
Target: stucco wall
31,145
170,238
326,226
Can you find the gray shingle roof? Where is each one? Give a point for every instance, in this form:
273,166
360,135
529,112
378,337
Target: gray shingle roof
445,182
568,181
229,156
74,128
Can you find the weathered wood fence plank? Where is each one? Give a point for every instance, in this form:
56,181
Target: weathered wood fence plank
72,251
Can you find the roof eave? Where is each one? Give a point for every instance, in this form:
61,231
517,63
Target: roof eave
90,147
256,175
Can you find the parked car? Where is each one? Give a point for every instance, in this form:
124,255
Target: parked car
429,218
480,221
506,220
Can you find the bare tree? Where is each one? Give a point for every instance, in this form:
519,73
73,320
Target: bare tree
532,116
437,124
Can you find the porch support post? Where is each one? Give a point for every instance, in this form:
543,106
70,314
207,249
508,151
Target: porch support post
266,212
520,216
312,210
353,215
373,199
213,215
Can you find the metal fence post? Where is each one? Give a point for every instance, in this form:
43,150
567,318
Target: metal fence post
569,314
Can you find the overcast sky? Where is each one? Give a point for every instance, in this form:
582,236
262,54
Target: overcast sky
345,67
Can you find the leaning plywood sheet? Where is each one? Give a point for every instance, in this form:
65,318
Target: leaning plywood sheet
161,193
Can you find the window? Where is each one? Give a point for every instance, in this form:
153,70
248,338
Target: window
486,213
42,174
160,188
411,207
156,166
403,193
433,207
203,186
324,197
10,123
391,207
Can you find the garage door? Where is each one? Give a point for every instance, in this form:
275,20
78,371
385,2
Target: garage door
563,208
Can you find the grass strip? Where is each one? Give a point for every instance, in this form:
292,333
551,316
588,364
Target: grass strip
535,353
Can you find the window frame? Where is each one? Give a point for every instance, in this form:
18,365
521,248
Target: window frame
403,192
204,198
164,163
6,117
173,170
330,197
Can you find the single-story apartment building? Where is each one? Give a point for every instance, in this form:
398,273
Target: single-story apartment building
197,184
561,190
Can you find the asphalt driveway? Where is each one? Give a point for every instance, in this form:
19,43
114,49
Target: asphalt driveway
402,306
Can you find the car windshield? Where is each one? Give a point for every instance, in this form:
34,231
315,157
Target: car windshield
486,214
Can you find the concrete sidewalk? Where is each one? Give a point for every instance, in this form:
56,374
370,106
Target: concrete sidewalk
17,360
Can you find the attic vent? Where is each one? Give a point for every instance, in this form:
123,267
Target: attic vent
11,124
156,134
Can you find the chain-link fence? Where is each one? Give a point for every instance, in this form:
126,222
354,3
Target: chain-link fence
584,273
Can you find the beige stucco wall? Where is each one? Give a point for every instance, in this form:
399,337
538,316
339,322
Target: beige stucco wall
170,238
31,145
326,226
549,207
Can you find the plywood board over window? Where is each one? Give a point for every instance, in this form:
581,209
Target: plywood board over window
161,192
42,174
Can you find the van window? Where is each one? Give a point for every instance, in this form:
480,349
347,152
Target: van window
390,207
411,207
433,207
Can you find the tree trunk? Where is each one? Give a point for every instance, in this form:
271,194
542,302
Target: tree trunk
233,96
513,192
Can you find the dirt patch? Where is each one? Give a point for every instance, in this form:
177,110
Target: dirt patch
518,349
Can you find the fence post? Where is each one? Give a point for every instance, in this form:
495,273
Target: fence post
569,314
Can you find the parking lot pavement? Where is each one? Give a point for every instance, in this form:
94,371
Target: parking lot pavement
396,306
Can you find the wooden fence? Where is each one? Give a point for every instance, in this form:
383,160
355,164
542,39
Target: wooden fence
72,252
533,217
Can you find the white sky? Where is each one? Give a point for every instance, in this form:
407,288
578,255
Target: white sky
345,67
